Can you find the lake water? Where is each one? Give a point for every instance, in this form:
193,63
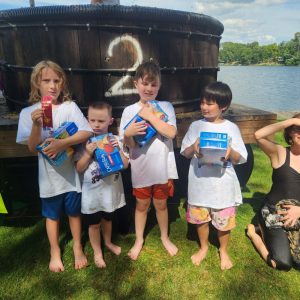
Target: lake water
269,88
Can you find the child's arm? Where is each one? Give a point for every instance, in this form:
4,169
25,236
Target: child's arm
85,159
124,158
57,145
191,150
233,155
167,130
35,137
133,129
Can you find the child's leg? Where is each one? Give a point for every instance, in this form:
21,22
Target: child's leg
225,259
52,228
75,226
163,222
203,232
141,211
95,240
107,232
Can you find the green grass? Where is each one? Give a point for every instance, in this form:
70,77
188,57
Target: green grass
24,259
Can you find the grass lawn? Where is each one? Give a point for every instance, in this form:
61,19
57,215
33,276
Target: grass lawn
24,254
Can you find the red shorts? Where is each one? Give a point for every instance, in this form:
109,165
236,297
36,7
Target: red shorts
156,191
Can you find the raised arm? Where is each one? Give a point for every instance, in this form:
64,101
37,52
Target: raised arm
35,137
264,137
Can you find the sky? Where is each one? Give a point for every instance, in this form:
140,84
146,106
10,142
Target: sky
245,21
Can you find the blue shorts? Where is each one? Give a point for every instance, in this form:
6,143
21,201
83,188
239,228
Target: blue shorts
53,207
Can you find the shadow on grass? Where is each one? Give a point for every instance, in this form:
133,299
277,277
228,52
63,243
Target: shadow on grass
24,269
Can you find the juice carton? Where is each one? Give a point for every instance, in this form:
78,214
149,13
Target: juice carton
65,130
47,108
107,156
141,140
213,146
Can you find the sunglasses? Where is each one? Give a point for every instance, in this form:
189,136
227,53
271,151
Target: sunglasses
296,128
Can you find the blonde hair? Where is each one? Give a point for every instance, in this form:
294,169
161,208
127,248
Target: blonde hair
35,79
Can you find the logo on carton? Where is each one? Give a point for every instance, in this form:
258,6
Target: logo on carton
213,146
107,156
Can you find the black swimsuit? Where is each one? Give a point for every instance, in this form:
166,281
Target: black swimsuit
286,185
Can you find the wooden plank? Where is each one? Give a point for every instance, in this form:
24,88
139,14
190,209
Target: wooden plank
248,119
9,147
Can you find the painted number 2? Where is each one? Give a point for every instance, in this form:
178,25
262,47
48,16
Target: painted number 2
118,88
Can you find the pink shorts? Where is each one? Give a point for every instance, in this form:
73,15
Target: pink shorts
222,219
156,191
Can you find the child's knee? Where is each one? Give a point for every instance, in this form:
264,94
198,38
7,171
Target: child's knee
142,205
94,227
160,205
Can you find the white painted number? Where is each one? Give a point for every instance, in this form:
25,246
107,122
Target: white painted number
118,88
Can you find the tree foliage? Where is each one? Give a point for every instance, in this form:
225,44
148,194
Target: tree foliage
285,53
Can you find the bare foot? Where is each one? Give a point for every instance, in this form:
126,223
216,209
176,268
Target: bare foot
226,263
80,258
250,230
170,247
198,257
135,250
99,261
113,248
56,264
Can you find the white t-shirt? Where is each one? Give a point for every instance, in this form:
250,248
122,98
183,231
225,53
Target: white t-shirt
211,185
101,194
54,180
154,163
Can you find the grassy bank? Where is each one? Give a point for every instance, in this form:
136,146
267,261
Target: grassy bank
24,259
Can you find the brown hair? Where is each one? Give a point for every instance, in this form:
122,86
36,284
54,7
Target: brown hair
150,69
35,78
101,105
287,131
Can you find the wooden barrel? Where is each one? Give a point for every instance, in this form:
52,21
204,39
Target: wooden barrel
100,47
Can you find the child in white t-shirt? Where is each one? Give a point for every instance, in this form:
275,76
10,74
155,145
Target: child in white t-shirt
59,185
100,196
153,166
213,189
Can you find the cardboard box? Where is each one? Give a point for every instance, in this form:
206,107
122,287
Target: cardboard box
65,130
107,156
141,140
213,146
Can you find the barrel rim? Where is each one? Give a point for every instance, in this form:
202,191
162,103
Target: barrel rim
89,12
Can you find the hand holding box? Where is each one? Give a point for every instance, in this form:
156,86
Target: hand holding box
107,155
141,140
65,130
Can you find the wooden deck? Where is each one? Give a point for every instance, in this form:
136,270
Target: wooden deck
248,119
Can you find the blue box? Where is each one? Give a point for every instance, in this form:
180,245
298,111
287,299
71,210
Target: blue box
213,146
141,140
65,130
107,156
